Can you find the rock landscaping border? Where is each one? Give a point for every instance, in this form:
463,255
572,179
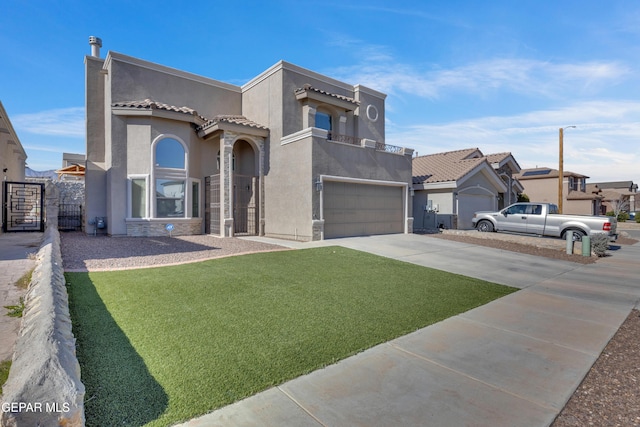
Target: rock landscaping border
44,386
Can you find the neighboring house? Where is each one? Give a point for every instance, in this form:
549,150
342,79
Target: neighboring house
71,173
291,154
73,167
12,155
449,187
541,185
618,194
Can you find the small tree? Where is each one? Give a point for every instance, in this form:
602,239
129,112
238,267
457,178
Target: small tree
619,207
523,198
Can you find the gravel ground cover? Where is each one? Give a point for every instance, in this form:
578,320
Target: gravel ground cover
82,252
608,396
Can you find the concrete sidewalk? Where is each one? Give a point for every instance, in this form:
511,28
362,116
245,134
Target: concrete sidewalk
513,362
15,250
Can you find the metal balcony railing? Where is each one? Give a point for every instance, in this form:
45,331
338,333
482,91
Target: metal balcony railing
388,148
346,139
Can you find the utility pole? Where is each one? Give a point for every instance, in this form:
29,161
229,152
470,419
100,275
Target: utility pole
561,169
561,173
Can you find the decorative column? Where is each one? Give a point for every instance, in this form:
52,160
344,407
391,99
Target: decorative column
226,182
260,144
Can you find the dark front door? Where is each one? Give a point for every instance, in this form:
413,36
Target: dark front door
23,206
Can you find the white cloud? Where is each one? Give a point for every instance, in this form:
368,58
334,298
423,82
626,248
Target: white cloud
520,76
605,145
68,122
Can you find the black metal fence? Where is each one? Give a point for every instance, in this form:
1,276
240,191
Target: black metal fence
69,217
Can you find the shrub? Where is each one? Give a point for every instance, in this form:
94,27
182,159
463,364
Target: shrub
599,244
523,198
622,216
637,218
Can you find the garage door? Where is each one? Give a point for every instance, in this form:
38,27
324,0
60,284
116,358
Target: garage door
352,209
468,204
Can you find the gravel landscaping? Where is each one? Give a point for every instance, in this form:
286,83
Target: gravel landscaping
82,252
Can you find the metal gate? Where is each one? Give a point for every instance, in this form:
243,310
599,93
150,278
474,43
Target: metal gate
23,206
70,217
245,202
245,205
212,205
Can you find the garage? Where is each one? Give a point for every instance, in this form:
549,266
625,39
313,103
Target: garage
360,209
468,204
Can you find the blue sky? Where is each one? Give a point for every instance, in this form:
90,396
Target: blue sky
499,75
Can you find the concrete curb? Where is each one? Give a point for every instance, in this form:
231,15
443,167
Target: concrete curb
44,386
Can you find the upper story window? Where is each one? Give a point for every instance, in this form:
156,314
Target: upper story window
170,154
323,120
169,179
577,184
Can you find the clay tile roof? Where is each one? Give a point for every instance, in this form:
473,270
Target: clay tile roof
149,104
308,87
442,167
236,120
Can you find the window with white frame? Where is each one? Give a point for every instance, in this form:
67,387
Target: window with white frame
138,196
170,178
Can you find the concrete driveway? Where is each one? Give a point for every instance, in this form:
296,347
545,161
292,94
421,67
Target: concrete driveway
513,362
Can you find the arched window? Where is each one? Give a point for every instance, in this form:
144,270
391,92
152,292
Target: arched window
169,154
170,176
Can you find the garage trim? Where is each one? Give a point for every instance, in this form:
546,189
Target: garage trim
403,185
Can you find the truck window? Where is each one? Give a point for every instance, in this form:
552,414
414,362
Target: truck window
553,209
534,209
516,209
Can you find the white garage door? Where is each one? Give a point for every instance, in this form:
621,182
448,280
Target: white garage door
353,209
468,204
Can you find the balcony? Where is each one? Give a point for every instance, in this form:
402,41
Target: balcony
346,139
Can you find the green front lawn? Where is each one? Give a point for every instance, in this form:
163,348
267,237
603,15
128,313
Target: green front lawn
161,345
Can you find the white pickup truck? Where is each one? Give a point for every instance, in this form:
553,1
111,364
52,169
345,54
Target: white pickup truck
543,219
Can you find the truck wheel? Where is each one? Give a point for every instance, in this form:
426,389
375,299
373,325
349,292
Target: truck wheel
485,226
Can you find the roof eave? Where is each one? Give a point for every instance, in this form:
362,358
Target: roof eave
160,113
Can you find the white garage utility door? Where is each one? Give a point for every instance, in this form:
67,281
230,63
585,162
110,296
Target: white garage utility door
353,209
468,204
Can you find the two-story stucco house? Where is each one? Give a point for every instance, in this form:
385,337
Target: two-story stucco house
291,154
541,185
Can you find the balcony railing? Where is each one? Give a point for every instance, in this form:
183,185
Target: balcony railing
346,139
352,140
380,146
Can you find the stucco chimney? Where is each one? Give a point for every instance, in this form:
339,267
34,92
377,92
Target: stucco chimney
96,44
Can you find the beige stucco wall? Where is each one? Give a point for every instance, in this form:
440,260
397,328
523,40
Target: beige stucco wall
119,141
12,154
541,190
291,200
119,145
546,191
